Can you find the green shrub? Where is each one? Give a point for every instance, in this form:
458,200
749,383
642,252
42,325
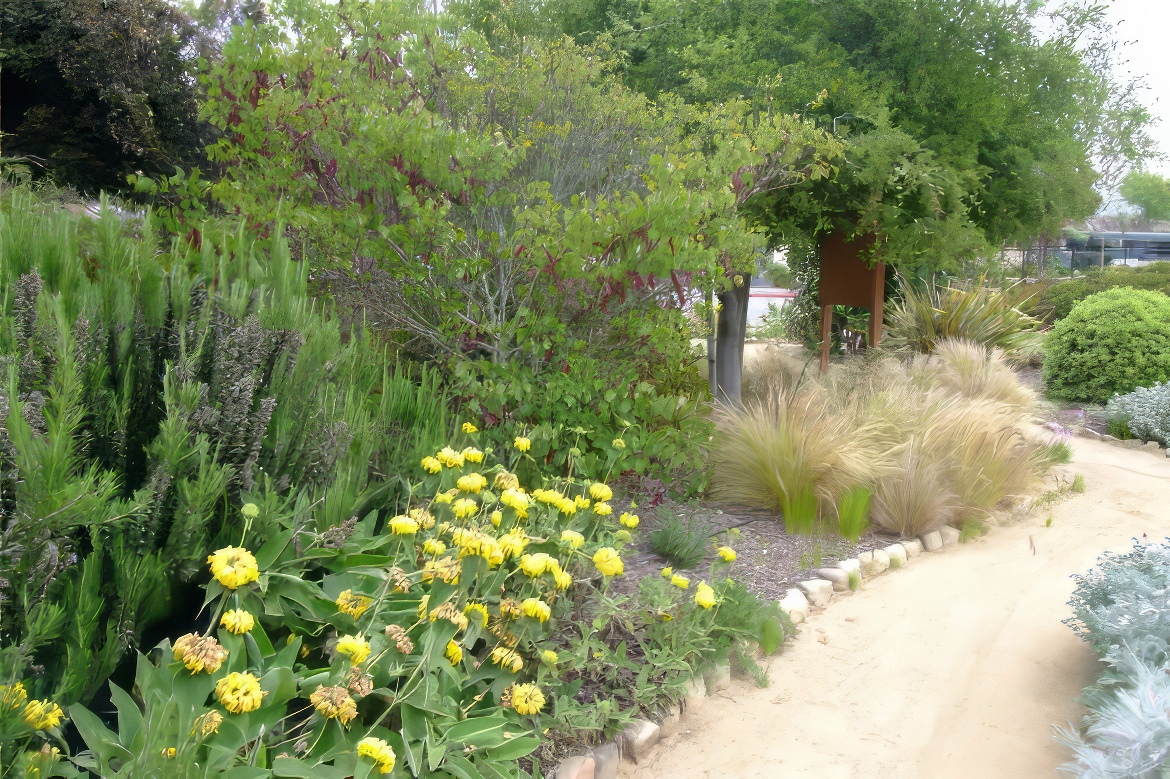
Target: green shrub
853,513
1111,342
1143,413
1057,300
682,541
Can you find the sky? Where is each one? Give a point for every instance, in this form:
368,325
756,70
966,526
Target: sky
1142,26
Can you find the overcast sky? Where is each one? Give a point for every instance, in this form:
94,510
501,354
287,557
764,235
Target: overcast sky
1143,26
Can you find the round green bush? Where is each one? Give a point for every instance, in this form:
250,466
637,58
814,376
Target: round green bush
1110,342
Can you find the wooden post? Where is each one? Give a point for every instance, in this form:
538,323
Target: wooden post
826,336
875,309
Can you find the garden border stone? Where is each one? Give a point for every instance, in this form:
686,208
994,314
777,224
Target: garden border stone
950,535
932,541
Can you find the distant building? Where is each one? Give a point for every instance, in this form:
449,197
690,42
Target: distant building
1085,250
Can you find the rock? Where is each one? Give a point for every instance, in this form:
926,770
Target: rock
717,677
577,768
913,548
639,738
696,690
606,757
818,591
1152,446
1109,439
874,563
795,605
838,576
1085,432
1132,443
932,541
950,535
671,713
897,555
1168,452
852,564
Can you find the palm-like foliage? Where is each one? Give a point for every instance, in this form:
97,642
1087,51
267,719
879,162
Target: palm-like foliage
992,318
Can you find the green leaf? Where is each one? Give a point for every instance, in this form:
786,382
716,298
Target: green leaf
481,732
129,716
514,749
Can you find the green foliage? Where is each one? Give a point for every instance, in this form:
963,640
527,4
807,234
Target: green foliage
1078,484
144,393
1148,192
990,318
972,528
1058,452
853,513
96,90
681,540
1056,300
1120,609
1111,342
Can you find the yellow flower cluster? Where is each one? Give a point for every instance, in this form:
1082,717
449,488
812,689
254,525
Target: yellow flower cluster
472,455
12,698
704,595
608,562
379,751
727,553
239,693
472,482
353,605
454,652
507,658
208,723
527,699
450,458
356,648
681,582
434,546
233,567
478,610
629,520
599,491
42,715
522,444
334,702
237,621
475,542
513,542
199,653
464,508
573,538
403,525
536,608
470,428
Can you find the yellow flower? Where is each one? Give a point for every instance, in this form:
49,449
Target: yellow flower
431,465
233,566
356,648
550,657
602,509
522,444
42,715
434,546
534,565
237,621
250,510
423,517
334,703
536,608
507,658
379,751
515,499
465,507
513,542
168,752
497,517
450,458
473,455
454,652
445,497
704,595
470,428
619,443
479,610
551,497
567,506
12,698
573,538
527,699
608,562
629,520
681,582
563,580
623,535
199,653
353,605
403,525
581,501
600,492
472,482
667,572
239,692
445,568
208,723
727,553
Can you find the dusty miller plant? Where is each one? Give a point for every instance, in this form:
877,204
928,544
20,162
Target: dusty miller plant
1146,410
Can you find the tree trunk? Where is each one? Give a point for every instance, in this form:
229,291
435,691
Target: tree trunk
730,338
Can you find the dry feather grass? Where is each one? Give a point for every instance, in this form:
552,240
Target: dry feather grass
774,369
935,440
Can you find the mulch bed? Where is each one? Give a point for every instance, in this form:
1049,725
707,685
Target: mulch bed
768,560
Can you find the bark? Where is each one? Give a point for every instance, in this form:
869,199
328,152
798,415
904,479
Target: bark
729,340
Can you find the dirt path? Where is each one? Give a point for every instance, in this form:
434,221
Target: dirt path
957,666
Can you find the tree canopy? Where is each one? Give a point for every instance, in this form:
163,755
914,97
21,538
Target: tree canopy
1149,193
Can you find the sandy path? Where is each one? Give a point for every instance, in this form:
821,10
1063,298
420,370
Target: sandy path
957,666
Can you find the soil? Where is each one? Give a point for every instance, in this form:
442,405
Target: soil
958,666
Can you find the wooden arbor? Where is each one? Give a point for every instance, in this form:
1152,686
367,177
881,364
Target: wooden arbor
846,280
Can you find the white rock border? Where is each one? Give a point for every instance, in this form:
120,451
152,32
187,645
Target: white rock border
1136,444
